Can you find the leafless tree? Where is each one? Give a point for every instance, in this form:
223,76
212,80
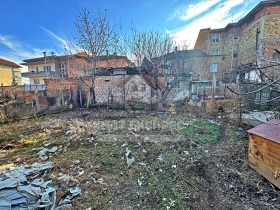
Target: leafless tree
94,35
150,50
267,72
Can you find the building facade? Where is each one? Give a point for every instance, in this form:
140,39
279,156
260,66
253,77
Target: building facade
76,65
236,44
9,73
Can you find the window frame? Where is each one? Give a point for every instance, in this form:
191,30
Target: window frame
213,67
217,39
218,52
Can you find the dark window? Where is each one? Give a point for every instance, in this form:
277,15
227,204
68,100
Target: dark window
235,55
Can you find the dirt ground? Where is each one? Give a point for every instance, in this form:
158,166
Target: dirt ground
130,160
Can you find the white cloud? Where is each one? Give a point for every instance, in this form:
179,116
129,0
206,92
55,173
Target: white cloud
216,18
16,51
55,36
195,10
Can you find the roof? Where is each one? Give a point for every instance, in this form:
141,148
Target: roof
109,57
269,130
186,54
77,55
183,54
4,62
110,71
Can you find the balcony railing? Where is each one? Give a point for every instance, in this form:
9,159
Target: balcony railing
29,87
39,74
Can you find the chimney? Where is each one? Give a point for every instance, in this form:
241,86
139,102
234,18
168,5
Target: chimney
107,53
176,48
44,54
52,53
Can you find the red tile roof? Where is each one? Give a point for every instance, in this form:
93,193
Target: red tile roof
8,63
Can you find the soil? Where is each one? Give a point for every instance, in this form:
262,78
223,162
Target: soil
92,153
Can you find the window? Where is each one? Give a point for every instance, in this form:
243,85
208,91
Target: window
235,55
214,67
37,69
48,68
36,81
215,51
133,87
215,38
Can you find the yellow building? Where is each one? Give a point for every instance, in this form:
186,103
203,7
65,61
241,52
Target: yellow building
9,73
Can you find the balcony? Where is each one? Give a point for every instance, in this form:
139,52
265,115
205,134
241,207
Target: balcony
29,87
39,74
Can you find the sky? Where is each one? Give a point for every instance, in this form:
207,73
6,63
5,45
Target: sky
30,27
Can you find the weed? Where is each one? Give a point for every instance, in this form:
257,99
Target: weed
202,132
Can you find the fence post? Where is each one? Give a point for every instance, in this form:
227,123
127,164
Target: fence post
62,97
81,100
4,102
37,98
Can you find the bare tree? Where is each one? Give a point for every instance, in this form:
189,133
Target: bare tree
95,34
266,71
151,51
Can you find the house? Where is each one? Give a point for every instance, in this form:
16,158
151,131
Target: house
40,68
9,73
235,45
75,65
185,71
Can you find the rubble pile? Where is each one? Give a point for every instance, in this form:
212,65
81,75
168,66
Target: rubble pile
25,187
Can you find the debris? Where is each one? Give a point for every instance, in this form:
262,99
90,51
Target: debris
77,161
186,152
146,139
139,183
142,164
160,158
43,152
127,152
130,161
213,122
19,191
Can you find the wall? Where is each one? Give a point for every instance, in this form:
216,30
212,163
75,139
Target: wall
112,89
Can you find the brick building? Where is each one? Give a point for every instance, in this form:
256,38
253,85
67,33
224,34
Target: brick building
76,65
235,44
112,89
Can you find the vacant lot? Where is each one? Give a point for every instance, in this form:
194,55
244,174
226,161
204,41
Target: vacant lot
126,160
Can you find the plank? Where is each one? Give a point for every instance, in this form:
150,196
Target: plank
266,172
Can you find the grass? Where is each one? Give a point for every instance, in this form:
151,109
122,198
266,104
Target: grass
12,134
234,137
108,159
202,132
